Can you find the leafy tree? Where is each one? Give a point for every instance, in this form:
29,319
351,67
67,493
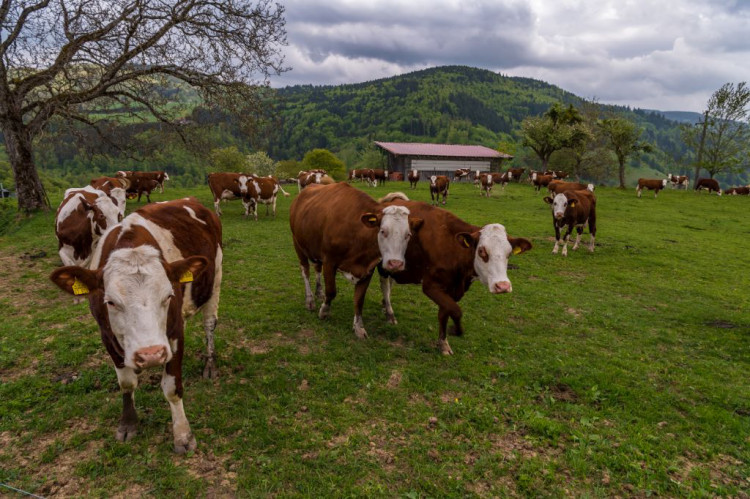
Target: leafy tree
260,164
288,168
64,59
325,160
623,138
722,139
557,129
228,159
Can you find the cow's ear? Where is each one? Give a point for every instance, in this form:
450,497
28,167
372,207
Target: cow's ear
415,224
188,269
548,200
371,220
75,280
519,244
468,240
572,203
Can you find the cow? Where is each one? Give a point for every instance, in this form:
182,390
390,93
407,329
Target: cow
338,227
82,217
439,185
651,184
162,264
413,178
574,209
261,190
556,174
379,174
461,173
516,173
737,191
305,178
678,180
502,178
710,184
540,181
225,186
364,175
158,176
486,181
140,185
445,256
558,186
106,184
396,177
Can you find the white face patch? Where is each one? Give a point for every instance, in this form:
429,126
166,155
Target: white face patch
491,258
137,294
394,236
110,210
433,179
243,184
559,205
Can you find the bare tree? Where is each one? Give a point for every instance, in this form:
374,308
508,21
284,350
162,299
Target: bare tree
66,58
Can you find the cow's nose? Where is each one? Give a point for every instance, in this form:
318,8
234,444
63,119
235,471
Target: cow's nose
502,287
559,215
395,265
150,356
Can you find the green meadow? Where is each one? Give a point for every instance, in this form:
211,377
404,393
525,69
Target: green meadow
622,372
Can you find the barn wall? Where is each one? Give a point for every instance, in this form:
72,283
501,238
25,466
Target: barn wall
448,165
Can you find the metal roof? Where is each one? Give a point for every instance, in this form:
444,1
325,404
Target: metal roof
451,150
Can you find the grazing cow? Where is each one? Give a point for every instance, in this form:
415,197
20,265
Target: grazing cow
446,256
162,264
651,184
678,180
737,191
439,185
82,217
558,186
486,181
540,181
158,176
261,190
363,175
139,185
461,173
396,177
225,186
413,178
379,174
305,178
710,184
516,173
556,174
338,227
574,209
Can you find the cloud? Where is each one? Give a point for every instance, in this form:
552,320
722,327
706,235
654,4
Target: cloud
666,55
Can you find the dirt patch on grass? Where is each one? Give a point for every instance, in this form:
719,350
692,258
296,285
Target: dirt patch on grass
723,470
304,340
394,380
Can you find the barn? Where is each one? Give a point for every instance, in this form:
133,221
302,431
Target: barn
440,159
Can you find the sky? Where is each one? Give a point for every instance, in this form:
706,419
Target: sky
669,55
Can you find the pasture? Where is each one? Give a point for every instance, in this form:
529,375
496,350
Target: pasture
618,373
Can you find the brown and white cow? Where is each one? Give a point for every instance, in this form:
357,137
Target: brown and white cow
502,179
446,256
651,184
574,209
159,177
82,217
539,181
413,178
486,181
516,174
679,180
163,263
559,174
341,228
439,185
558,186
710,184
307,177
396,177
261,190
106,184
461,173
363,175
379,175
737,191
225,186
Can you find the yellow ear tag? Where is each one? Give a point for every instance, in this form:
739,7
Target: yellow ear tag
186,277
373,219
466,243
79,288
517,250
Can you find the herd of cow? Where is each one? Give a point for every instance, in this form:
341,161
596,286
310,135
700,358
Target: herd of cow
146,273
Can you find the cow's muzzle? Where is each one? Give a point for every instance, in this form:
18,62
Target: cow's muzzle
502,287
394,265
150,356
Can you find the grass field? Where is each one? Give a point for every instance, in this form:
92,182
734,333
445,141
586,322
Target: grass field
618,373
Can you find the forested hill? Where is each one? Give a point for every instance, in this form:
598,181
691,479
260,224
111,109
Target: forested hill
450,104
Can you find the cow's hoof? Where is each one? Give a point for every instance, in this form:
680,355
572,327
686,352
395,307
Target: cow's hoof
445,348
310,305
210,371
360,333
126,432
324,311
391,319
183,446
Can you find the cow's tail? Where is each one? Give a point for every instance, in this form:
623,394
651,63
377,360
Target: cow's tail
286,194
392,196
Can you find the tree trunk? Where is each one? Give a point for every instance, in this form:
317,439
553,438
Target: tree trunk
622,173
29,188
699,160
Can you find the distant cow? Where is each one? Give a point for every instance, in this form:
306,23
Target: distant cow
445,256
82,217
461,173
364,175
396,176
225,186
651,184
106,184
439,185
413,177
540,181
556,174
486,181
502,178
379,175
340,228
737,191
678,180
261,190
710,184
558,186
305,178
161,265
516,173
574,209
157,176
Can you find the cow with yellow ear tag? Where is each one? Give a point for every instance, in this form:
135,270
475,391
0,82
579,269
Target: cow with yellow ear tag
573,209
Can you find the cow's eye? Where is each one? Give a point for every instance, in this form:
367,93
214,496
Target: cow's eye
166,300
110,304
384,233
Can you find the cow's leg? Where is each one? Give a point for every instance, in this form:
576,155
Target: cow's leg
274,208
360,289
557,240
579,231
246,204
148,196
309,300
217,209
638,191
171,385
127,428
329,276
447,308
210,319
319,291
385,287
565,240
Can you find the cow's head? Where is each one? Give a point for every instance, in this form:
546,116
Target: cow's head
664,183
560,203
134,294
492,247
103,212
396,228
242,181
433,180
118,197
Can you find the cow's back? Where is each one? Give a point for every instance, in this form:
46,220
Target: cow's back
585,205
